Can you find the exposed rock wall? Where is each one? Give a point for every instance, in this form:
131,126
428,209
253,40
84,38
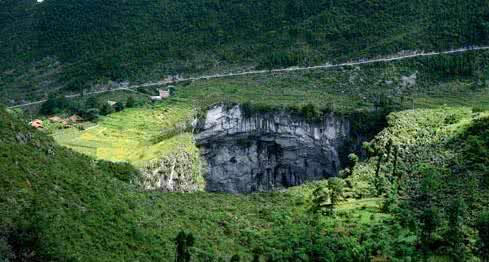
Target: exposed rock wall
175,172
269,151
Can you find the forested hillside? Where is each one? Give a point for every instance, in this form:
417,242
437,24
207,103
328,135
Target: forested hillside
415,191
119,40
421,194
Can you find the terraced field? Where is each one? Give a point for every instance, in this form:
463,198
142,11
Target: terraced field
132,135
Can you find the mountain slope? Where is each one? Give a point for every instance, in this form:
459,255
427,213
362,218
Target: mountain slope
57,204
139,40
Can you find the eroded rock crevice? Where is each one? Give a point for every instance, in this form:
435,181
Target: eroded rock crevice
270,151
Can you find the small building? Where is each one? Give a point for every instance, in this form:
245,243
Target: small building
163,94
111,103
55,119
75,119
124,84
37,123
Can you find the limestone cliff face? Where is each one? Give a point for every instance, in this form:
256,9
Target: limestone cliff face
269,151
175,172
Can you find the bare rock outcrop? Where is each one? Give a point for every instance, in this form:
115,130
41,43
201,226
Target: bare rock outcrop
269,151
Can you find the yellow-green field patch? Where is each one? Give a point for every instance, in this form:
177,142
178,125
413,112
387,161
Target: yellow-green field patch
131,135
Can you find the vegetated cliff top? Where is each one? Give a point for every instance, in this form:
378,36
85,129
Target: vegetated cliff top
134,39
452,142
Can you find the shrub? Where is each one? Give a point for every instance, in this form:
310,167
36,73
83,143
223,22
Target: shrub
184,242
106,109
54,105
478,110
91,102
336,186
122,171
483,228
280,59
90,114
131,102
119,107
310,112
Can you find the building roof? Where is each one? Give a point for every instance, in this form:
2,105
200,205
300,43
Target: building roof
37,123
56,119
75,118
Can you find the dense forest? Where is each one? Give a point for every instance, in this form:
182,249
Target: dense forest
416,188
121,40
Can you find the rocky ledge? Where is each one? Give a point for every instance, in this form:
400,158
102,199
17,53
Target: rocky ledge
269,151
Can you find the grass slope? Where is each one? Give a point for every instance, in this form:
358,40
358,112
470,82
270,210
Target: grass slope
131,135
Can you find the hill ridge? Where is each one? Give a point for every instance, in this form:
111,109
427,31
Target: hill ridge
290,69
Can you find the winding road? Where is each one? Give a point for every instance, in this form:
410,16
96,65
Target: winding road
256,72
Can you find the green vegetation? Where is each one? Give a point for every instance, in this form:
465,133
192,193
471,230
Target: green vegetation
58,205
483,227
89,211
419,190
133,134
184,243
44,49
54,201
91,107
438,167
351,88
151,132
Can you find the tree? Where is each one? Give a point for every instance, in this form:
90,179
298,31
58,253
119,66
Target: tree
320,200
423,201
483,227
91,103
184,242
106,109
89,114
256,255
369,149
131,102
235,258
455,234
118,107
310,113
353,161
430,221
396,158
379,182
54,104
392,201
325,198
335,186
